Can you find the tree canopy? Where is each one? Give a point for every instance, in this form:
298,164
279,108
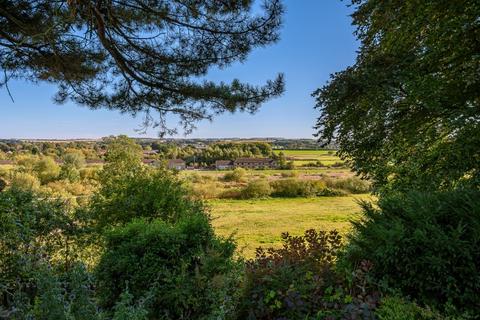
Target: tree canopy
407,113
140,56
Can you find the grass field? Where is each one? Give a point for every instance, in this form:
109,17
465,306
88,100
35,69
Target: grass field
304,157
257,223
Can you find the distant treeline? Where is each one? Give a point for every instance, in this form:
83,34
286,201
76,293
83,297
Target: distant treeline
199,153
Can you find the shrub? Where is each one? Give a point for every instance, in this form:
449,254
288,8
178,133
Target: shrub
204,191
57,295
256,189
24,181
289,174
127,309
297,188
180,269
47,170
298,281
237,175
89,173
353,185
152,194
231,193
425,245
32,230
396,308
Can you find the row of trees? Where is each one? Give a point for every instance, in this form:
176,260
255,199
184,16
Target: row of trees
96,150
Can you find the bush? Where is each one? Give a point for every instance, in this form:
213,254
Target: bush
47,170
208,190
289,174
32,230
24,181
237,175
231,193
298,281
396,308
256,189
290,188
353,185
425,245
181,270
89,173
152,194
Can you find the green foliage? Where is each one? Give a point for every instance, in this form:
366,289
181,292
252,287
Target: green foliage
180,269
82,305
49,302
72,163
425,245
103,68
283,163
126,309
255,189
24,181
406,113
237,175
47,170
148,193
123,157
220,151
352,185
291,188
290,174
89,174
26,163
396,308
298,281
208,190
32,229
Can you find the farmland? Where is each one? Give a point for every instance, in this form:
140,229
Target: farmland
308,157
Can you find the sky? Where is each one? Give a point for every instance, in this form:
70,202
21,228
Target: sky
316,40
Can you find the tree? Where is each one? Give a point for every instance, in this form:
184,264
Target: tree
123,157
139,56
407,113
72,163
181,270
33,229
47,170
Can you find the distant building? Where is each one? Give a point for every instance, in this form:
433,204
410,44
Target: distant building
177,164
255,163
223,164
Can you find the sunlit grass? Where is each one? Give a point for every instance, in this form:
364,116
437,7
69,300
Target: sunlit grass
260,222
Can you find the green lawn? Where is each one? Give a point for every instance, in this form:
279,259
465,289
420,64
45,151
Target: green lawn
260,222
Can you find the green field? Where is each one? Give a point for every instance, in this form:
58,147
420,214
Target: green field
304,157
257,223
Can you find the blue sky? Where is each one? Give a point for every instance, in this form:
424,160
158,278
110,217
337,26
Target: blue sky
316,40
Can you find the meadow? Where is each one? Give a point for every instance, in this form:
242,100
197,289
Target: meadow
256,223
307,157
260,222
